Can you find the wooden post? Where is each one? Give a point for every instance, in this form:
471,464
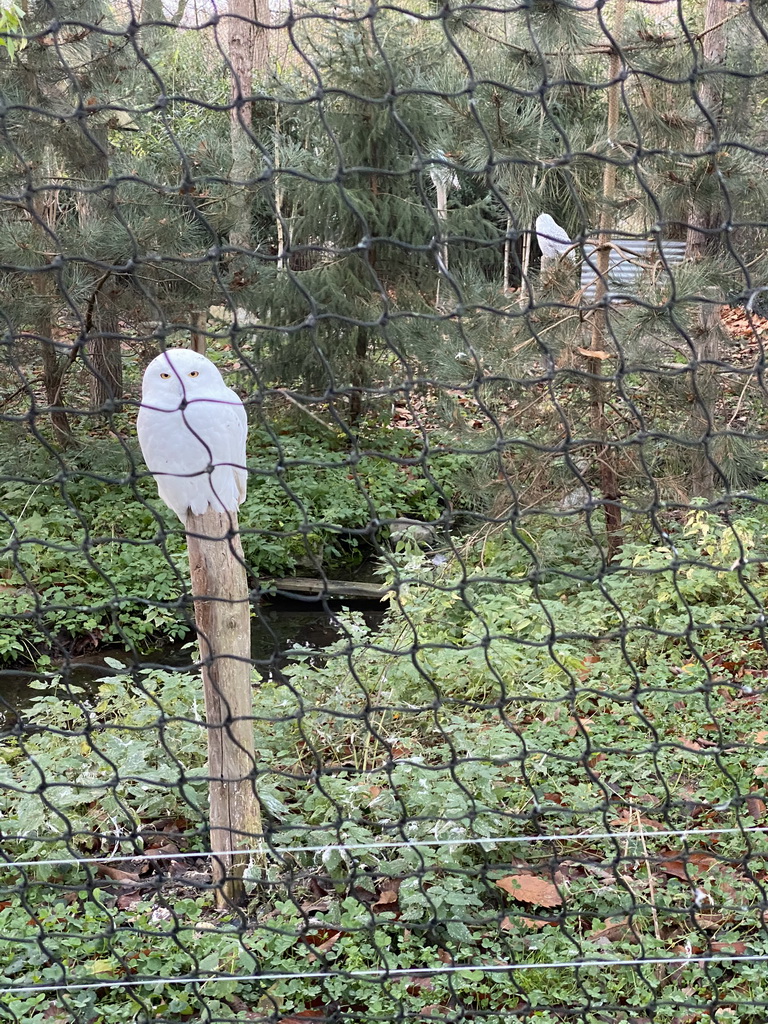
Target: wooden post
700,243
222,616
609,477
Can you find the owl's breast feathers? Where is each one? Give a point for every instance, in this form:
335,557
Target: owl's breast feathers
196,451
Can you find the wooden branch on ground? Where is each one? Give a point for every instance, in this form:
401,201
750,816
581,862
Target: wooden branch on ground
352,589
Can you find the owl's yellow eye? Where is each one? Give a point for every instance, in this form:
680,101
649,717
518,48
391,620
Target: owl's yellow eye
195,373
165,376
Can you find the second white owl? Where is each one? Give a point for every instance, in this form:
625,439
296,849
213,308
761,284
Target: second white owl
553,240
192,430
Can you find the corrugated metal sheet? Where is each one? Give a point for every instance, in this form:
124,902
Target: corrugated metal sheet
628,259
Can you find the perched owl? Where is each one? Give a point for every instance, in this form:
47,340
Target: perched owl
192,430
553,240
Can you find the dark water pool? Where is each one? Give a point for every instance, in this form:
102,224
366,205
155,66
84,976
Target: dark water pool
276,628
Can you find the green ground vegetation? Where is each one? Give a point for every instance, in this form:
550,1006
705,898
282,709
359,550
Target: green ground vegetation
505,695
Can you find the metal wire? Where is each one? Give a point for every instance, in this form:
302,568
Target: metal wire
415,844
394,973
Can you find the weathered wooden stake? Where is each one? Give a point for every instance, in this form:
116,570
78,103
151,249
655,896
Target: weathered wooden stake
222,615
606,454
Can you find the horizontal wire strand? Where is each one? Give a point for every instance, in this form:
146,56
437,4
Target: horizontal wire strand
404,844
395,973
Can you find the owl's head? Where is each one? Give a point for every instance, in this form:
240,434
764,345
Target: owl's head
179,374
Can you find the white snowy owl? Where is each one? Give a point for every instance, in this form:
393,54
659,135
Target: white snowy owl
553,240
190,420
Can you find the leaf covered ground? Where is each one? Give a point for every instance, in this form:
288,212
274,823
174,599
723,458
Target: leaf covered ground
524,766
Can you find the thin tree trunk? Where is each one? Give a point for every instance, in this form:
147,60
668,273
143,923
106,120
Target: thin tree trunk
606,454
248,51
507,255
707,342
441,188
54,368
199,336
106,365
700,243
103,354
282,254
359,375
525,266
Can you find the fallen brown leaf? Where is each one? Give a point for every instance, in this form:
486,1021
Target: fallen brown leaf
675,868
316,906
417,983
671,863
595,353
688,744
319,936
124,877
710,922
528,888
756,807
166,850
325,946
508,923
738,948
387,899
128,900
626,817
615,929
54,1014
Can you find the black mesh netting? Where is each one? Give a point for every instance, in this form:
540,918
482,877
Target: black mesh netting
490,283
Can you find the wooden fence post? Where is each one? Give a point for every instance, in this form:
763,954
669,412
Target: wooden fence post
222,615
606,454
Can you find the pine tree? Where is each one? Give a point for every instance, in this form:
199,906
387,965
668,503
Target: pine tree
356,281
683,162
108,191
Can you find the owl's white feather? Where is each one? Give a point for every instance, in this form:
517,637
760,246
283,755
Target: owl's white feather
553,240
190,420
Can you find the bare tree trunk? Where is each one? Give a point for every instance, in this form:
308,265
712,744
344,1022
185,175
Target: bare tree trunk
606,454
54,369
199,337
54,366
441,189
700,243
103,355
359,375
707,342
507,255
525,265
248,51
106,364
283,239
